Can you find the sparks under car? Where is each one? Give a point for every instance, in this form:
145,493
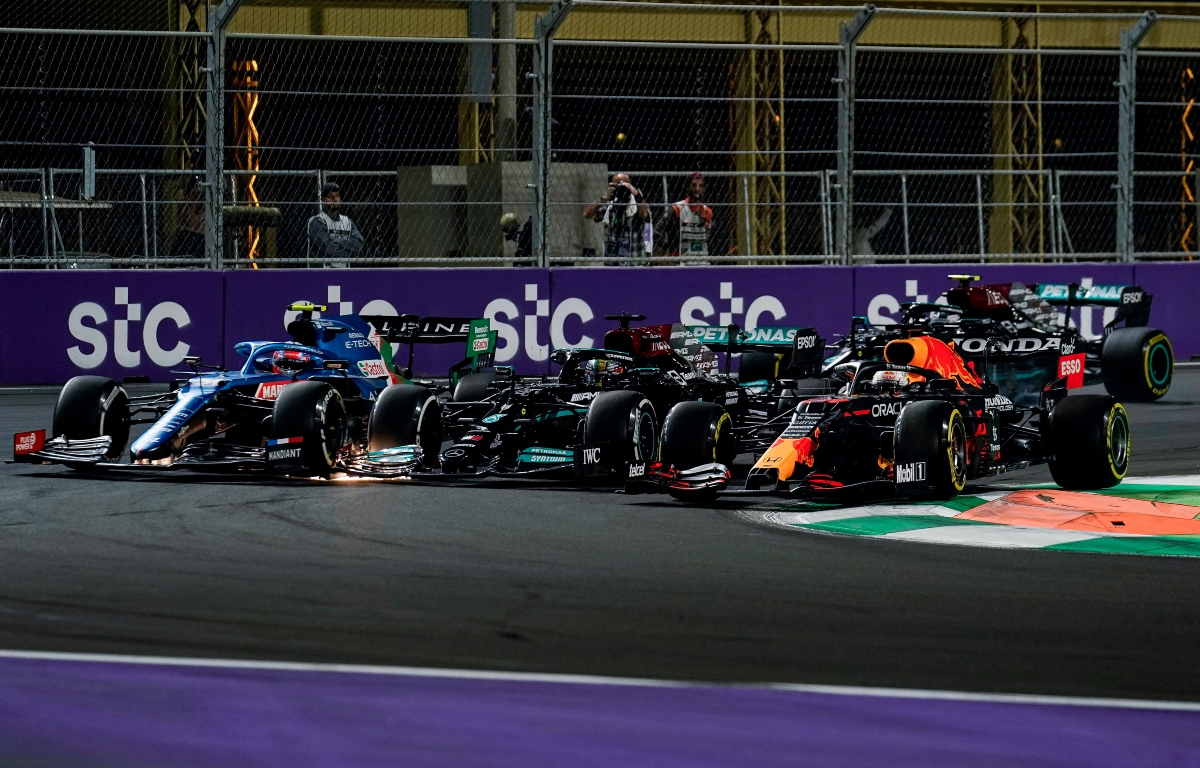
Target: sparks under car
922,422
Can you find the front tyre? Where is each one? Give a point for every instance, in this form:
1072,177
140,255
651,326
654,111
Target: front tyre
314,411
626,421
1138,364
93,406
695,434
406,414
933,433
1089,438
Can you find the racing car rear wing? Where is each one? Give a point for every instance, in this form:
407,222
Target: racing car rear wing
805,347
412,330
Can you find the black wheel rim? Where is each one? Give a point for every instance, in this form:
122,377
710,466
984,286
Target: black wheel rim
1118,440
644,447
1159,364
958,451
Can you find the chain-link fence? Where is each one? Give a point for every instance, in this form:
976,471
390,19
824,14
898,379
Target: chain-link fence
481,132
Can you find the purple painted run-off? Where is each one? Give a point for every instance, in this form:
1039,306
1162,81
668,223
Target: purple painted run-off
56,712
124,323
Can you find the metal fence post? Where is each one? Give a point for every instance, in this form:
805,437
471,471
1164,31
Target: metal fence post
544,28
1127,97
848,35
214,153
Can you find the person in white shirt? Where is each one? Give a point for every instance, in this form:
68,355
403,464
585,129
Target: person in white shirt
332,236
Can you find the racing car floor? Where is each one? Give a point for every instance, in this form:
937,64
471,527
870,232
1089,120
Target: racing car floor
579,581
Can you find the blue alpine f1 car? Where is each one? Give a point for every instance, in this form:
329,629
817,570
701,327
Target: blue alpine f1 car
315,405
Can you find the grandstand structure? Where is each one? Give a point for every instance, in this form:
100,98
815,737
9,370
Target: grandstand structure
908,131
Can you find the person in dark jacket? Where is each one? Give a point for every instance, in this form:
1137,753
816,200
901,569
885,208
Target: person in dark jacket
332,236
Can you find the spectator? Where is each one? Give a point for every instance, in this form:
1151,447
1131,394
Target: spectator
332,236
189,238
683,228
624,216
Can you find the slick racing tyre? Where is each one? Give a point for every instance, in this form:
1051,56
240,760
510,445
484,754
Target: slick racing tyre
758,366
313,411
406,414
1089,439
93,406
695,434
931,438
473,387
1138,364
625,420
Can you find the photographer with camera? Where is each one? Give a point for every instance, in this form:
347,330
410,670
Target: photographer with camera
624,215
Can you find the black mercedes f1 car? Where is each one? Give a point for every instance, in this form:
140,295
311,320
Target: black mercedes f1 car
648,390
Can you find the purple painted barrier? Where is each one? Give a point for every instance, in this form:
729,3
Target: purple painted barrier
59,324
140,323
83,713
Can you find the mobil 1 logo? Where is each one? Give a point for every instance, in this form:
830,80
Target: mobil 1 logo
907,474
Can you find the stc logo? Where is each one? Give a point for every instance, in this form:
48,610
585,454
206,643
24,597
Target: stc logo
535,327
698,310
508,336
87,320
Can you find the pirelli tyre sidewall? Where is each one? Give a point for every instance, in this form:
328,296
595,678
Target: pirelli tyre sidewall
1138,363
1090,440
697,433
406,414
625,420
314,411
93,406
934,432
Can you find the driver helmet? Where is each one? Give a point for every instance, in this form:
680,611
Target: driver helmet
887,380
597,369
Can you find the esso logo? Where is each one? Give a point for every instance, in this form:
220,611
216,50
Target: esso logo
1069,366
86,323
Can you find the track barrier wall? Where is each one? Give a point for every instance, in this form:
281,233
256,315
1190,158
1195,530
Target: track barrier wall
141,323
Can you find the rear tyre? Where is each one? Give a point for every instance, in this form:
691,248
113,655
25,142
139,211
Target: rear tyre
758,366
1089,438
406,414
626,421
473,387
934,433
314,411
93,406
1138,364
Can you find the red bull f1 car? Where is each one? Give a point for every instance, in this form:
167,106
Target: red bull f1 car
921,422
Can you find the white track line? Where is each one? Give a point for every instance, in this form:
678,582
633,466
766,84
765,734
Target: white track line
540,677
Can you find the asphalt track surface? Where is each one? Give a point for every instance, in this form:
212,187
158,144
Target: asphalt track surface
580,581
